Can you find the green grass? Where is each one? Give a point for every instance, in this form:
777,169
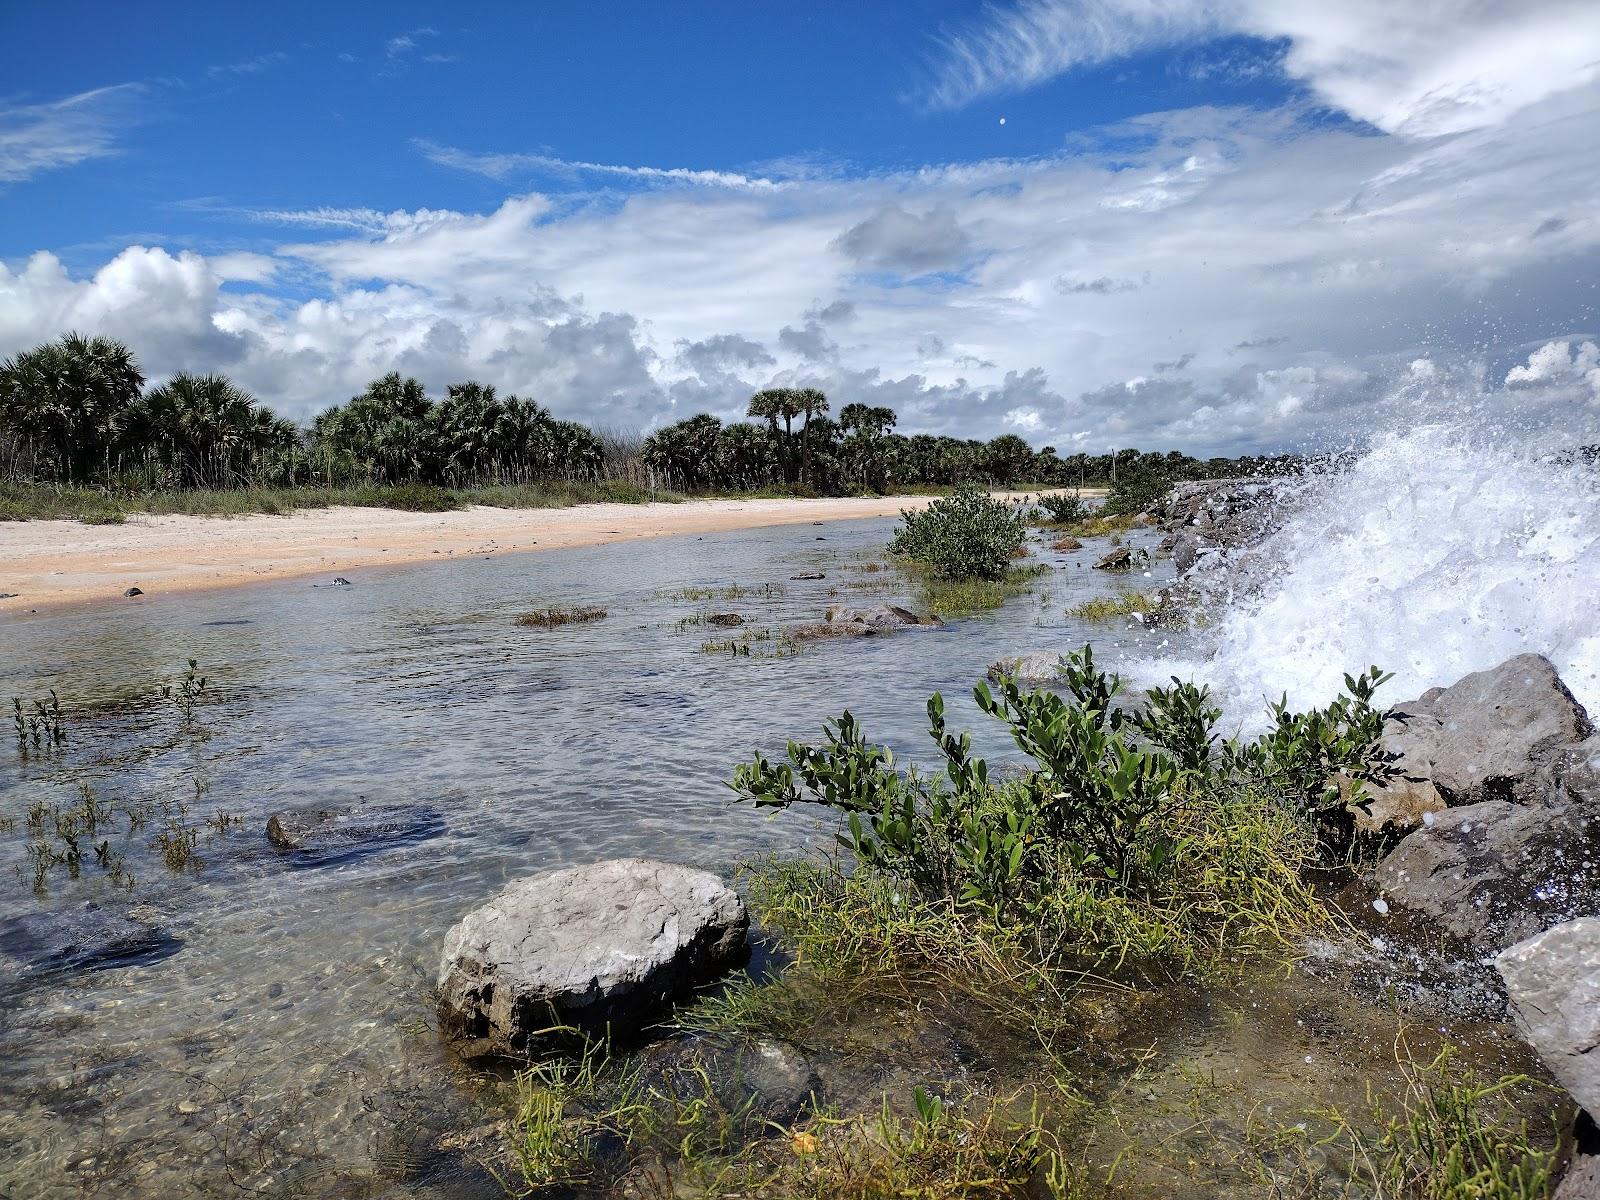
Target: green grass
38,502
1098,526
97,506
952,598
1110,608
549,618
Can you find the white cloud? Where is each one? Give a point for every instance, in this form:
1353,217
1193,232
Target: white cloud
44,137
1560,365
1413,69
1305,267
249,66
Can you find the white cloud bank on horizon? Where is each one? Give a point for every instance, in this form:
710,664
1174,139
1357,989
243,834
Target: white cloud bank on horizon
1418,70
1245,280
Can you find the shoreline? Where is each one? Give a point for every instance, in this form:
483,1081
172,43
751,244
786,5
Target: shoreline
57,565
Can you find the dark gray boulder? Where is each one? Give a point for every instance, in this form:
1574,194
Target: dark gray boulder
1491,874
316,835
84,938
1553,982
1491,735
602,950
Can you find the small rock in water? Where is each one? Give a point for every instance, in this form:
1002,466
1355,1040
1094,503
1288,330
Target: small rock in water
133,591
316,835
809,575
87,938
724,620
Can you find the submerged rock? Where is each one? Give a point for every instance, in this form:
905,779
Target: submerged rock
603,949
84,938
724,620
1066,543
809,575
761,1079
316,835
1491,874
1553,981
1492,735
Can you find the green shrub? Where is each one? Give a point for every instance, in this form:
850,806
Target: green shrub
1133,832
1059,508
966,535
407,497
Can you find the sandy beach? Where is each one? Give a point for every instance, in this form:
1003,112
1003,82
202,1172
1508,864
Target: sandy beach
58,564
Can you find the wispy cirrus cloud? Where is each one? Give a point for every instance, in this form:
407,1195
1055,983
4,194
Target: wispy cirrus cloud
44,137
249,66
502,166
1410,69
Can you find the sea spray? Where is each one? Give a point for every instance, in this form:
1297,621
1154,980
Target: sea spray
1435,553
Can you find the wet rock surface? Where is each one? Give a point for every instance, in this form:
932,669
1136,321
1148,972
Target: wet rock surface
602,948
1553,982
1491,874
1039,666
1492,735
84,938
841,622
318,835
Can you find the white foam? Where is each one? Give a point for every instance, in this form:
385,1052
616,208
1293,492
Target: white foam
1435,554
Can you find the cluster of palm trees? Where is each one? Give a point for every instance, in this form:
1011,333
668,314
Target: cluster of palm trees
76,410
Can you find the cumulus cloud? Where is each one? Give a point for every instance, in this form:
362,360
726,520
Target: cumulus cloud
44,137
1414,69
1560,365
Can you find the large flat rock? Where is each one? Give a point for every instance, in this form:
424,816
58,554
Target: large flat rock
604,949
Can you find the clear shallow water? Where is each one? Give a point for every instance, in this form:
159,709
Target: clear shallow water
286,1048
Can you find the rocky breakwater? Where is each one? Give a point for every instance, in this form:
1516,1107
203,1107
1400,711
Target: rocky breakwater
595,951
1496,805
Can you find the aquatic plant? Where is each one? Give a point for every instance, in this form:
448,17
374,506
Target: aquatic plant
965,535
1449,1134
732,591
187,692
38,727
549,618
1110,608
953,598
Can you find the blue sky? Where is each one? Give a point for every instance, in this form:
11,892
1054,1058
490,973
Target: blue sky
1218,224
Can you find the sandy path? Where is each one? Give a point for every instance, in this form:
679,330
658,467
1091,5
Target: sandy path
55,564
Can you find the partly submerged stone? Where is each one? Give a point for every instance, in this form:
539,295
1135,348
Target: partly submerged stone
1494,873
1491,735
883,619
1553,981
318,834
85,937
602,949
1039,666
1120,559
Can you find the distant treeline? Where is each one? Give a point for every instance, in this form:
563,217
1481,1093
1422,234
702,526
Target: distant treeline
76,411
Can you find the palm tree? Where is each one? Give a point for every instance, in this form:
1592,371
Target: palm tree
68,395
775,404
202,428
809,401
